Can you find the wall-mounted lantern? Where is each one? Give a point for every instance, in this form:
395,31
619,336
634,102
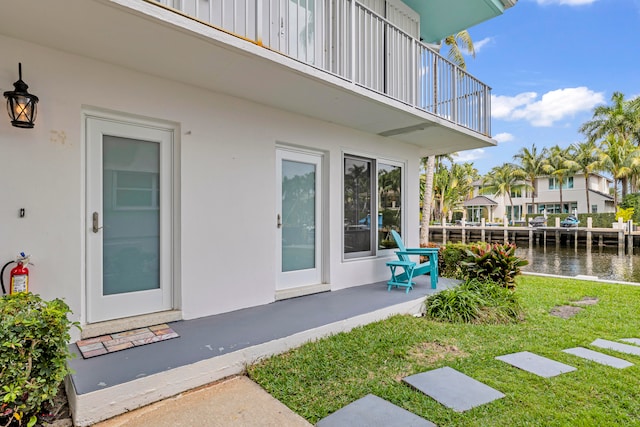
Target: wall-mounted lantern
21,105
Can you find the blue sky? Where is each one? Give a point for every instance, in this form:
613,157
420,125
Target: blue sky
549,63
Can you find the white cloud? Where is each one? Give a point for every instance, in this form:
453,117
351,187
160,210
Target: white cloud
469,155
503,137
503,106
477,46
565,2
552,107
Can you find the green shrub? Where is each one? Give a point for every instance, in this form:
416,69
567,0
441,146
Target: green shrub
493,263
632,201
474,301
450,259
457,305
34,334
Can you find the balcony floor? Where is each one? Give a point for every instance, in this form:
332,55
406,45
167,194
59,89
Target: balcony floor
214,347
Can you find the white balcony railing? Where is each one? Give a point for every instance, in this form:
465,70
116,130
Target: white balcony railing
345,38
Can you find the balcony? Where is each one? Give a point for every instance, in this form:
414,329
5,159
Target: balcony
347,39
336,61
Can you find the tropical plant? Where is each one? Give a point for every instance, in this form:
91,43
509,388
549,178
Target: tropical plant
496,263
618,157
584,156
474,301
559,166
33,355
625,214
430,166
457,305
503,180
459,44
621,119
618,123
632,201
531,162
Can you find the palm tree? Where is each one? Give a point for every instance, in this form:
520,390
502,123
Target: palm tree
502,180
584,156
531,166
453,186
465,175
621,119
457,43
454,42
430,166
441,181
558,166
618,157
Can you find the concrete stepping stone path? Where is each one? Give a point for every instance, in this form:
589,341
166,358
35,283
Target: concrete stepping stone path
373,411
612,345
453,389
460,392
535,364
600,358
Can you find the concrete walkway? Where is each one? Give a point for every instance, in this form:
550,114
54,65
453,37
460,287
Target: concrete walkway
237,401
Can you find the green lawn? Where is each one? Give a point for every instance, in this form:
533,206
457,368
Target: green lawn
320,378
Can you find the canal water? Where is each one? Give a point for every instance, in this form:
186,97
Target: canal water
603,263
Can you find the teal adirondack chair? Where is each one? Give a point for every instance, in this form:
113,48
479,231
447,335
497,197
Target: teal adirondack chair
411,269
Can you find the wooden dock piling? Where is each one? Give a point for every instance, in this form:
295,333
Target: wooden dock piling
622,238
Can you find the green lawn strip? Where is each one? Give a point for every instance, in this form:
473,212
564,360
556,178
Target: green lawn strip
322,377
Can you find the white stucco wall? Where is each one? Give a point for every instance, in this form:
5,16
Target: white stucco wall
226,171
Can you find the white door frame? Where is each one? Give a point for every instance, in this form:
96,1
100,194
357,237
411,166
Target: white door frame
300,282
100,307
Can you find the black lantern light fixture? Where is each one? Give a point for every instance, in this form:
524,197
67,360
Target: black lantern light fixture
21,105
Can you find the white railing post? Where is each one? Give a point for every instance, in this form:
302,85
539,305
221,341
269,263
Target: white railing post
487,111
353,40
414,73
454,94
258,22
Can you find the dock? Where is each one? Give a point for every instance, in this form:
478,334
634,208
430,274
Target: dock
623,238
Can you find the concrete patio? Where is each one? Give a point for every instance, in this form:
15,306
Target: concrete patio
215,347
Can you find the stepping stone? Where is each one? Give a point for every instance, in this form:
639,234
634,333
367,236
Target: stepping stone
453,389
600,358
373,411
612,345
635,341
535,364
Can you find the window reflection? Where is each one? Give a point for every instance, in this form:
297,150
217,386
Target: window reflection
372,205
389,204
357,205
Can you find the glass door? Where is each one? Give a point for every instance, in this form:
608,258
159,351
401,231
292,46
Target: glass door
128,219
298,219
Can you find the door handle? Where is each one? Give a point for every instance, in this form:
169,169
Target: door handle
279,223
95,218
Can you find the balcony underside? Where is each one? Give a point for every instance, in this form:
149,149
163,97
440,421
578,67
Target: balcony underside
158,42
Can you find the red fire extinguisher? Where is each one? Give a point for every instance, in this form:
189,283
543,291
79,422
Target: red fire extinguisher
19,275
